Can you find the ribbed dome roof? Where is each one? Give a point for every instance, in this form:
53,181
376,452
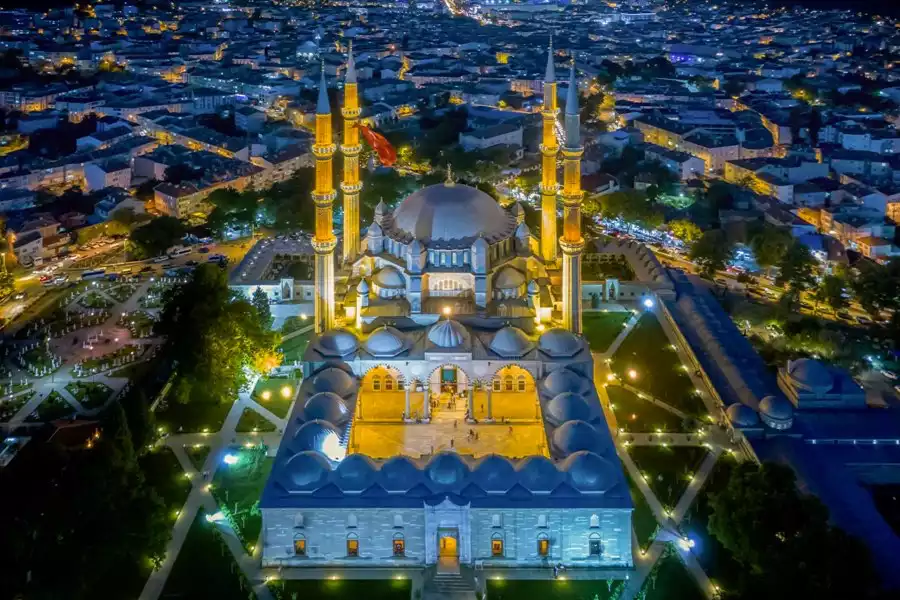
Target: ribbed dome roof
590,472
447,469
355,473
447,333
337,343
509,278
305,470
567,407
494,474
511,342
776,408
450,212
574,436
389,277
334,380
385,342
538,474
742,415
559,343
317,436
564,380
326,406
811,375
399,474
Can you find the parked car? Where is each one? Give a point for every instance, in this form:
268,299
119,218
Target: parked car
889,374
203,250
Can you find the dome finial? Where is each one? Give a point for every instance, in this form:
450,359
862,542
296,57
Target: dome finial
449,182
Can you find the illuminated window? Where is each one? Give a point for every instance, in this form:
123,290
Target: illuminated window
543,546
389,384
497,545
399,545
376,383
300,546
497,384
509,383
352,545
521,383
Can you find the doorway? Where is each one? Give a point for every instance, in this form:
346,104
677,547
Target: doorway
449,382
448,550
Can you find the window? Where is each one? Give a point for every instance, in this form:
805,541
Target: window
496,521
497,384
595,521
298,521
299,546
521,383
542,521
398,520
508,381
389,384
594,545
497,545
376,383
399,545
352,545
543,545
352,521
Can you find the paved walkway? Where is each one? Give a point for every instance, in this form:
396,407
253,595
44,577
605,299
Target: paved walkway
629,325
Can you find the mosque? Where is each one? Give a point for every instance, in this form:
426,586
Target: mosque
448,415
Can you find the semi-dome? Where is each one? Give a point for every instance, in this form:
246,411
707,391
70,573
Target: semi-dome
559,343
742,415
590,472
811,375
567,407
326,406
494,474
574,436
385,342
399,474
509,278
337,343
305,470
334,380
355,473
447,469
445,213
538,474
318,436
776,412
447,333
511,342
564,380
389,278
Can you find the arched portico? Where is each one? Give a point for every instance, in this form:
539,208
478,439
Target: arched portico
510,393
383,395
448,392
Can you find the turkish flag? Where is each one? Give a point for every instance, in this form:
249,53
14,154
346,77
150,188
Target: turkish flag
386,153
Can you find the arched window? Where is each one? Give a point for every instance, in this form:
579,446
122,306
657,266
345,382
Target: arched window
299,545
388,383
352,545
376,383
399,545
497,384
508,383
497,545
595,521
543,545
401,385
594,547
521,383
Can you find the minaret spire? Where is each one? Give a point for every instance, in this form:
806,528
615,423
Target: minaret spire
351,66
350,148
571,242
550,73
324,241
323,107
549,149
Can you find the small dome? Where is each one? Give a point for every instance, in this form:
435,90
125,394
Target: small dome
326,406
305,470
776,412
389,278
447,469
559,343
567,407
538,474
355,473
574,436
511,342
533,287
522,230
362,287
811,375
742,415
385,342
447,333
337,343
494,474
399,474
318,436
334,380
509,278
590,472
564,380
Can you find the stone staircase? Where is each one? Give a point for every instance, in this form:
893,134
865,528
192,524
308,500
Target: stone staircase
449,585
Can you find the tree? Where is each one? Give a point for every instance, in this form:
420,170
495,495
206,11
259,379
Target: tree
260,301
712,251
876,286
734,87
145,190
684,230
632,206
797,267
831,291
815,125
156,236
769,244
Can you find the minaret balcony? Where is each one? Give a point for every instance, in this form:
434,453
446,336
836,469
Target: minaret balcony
572,198
549,150
571,246
351,150
351,188
324,245
572,153
351,113
544,190
324,198
323,150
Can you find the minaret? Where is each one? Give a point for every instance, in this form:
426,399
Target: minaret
571,242
549,148
350,184
323,195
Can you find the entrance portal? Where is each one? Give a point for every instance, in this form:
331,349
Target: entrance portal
448,546
448,379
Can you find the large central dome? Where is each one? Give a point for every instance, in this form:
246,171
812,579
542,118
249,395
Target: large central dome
444,213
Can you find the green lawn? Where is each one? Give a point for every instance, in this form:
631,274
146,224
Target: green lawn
198,455
139,323
164,473
601,328
559,589
642,520
292,324
53,407
342,589
192,417
101,363
667,470
648,354
670,580
270,393
9,407
294,348
95,300
204,568
237,489
122,292
252,421
89,395
39,359
641,416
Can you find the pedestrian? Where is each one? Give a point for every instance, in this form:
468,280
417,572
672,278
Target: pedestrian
455,423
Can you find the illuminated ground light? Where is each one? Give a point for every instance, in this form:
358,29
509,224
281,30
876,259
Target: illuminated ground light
266,395
632,374
648,302
286,391
215,517
231,459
